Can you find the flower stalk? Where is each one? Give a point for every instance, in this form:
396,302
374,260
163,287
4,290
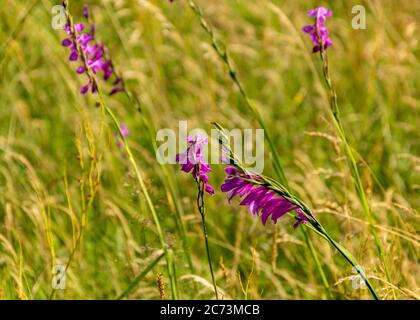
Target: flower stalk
202,209
192,161
352,163
310,221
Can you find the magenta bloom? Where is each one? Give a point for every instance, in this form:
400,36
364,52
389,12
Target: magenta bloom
125,132
192,160
318,31
94,52
259,199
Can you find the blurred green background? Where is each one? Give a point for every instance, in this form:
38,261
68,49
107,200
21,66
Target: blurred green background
58,154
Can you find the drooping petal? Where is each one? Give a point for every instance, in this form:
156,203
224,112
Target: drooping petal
79,27
204,177
84,89
73,56
231,171
187,167
308,29
66,43
252,196
327,43
281,209
231,183
260,200
302,218
116,90
209,189
117,81
268,209
240,191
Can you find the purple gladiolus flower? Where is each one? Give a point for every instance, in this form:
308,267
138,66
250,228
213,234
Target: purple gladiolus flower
192,160
261,201
94,52
318,31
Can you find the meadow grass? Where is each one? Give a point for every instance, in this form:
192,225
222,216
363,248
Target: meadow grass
65,184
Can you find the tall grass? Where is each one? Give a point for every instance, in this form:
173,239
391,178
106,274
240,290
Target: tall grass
106,109
59,159
353,165
312,222
222,52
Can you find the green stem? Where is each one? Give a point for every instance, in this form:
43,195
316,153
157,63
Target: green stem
350,259
84,217
318,264
312,222
138,278
202,210
353,164
174,197
316,226
148,199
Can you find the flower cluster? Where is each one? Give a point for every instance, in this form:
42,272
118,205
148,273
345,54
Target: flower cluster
318,31
192,160
94,52
258,198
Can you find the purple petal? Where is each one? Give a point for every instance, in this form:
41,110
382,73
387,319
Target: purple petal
308,29
94,89
181,158
230,184
209,189
66,28
281,210
254,194
231,171
241,191
187,167
66,43
327,43
204,177
79,27
116,90
117,81
84,89
73,56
